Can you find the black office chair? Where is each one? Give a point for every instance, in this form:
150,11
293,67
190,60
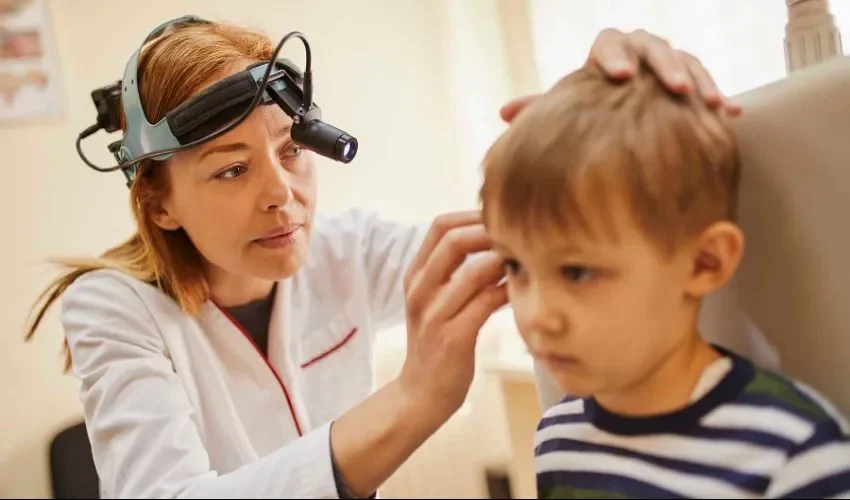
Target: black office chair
72,470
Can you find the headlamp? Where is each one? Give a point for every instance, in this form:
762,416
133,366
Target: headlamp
213,112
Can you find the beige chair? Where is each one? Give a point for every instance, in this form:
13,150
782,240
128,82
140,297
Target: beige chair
793,288
794,283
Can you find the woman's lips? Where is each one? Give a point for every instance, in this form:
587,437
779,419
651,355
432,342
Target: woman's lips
279,238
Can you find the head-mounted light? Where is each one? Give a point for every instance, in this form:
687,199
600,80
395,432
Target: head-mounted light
213,112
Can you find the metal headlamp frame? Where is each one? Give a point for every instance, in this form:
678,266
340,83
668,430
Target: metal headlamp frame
214,111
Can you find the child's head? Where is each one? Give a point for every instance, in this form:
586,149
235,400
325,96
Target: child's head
613,205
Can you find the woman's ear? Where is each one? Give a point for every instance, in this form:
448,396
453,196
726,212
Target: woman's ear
164,218
719,250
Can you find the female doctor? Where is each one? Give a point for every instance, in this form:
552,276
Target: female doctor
225,349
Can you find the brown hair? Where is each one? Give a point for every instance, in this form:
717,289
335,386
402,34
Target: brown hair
670,157
172,68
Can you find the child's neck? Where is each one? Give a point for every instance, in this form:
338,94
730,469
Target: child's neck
668,387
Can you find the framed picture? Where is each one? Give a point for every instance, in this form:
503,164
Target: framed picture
29,70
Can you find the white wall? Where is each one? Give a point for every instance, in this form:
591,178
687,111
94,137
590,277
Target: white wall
387,72
741,43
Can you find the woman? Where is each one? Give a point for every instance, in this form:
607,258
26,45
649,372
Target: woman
225,349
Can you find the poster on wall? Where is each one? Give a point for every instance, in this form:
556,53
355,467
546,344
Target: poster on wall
29,70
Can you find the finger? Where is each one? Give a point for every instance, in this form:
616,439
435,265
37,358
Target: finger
733,108
510,110
705,84
439,228
611,53
447,256
707,87
479,309
476,275
665,62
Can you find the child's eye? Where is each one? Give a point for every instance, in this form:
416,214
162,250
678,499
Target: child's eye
231,172
512,267
577,274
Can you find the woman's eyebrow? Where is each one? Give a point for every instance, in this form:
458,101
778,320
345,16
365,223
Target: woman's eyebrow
224,148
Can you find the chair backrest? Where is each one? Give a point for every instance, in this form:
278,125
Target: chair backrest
72,469
794,283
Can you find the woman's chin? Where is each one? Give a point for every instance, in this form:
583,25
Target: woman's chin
285,266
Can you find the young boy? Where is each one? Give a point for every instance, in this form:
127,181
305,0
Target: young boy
613,205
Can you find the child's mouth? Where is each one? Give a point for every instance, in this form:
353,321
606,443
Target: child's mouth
555,360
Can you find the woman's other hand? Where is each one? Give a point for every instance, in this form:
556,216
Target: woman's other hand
449,297
618,54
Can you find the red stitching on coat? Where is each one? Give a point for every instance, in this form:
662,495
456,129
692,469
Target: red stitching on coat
266,360
332,349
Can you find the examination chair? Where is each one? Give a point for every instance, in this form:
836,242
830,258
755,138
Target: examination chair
794,282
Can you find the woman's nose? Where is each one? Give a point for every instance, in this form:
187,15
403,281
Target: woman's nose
276,188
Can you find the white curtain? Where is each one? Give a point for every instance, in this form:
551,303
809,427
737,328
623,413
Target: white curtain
741,43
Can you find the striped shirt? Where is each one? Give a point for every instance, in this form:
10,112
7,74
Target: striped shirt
752,434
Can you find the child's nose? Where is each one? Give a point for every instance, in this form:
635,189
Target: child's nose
543,314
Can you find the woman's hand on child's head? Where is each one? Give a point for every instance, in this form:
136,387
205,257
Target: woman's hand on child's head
618,53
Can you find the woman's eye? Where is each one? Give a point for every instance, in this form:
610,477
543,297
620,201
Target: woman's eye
577,274
292,151
231,173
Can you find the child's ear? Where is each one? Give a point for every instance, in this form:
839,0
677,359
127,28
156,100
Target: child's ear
164,218
719,250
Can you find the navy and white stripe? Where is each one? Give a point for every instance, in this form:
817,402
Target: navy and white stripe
753,435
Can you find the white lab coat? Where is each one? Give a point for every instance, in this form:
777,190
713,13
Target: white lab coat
184,407
178,406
